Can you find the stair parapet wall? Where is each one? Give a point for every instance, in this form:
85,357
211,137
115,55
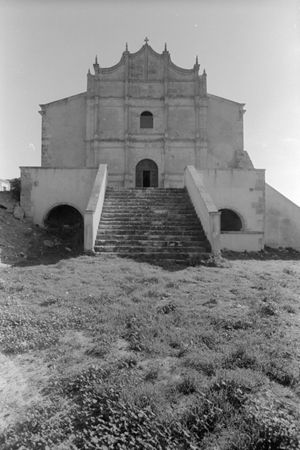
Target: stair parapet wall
94,207
243,192
205,208
43,188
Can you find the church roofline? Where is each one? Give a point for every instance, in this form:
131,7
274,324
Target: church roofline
225,99
180,69
145,47
120,63
62,99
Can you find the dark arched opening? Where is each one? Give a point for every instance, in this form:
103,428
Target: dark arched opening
230,221
146,174
146,119
66,223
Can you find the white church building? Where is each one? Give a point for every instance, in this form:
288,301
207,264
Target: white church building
146,123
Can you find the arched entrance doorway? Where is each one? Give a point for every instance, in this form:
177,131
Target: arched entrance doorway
146,174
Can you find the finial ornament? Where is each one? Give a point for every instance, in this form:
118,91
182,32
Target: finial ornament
96,65
204,72
197,60
165,46
126,47
146,40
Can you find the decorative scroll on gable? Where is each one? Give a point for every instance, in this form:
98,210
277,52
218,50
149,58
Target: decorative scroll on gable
145,65
177,73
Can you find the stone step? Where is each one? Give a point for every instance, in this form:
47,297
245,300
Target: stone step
145,231
146,207
149,237
160,198
163,218
150,223
145,192
152,242
148,211
128,249
146,201
121,189
155,227
155,231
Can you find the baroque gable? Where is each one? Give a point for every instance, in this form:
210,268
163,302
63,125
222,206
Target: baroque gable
145,66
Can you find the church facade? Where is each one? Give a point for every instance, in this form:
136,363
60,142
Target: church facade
146,120
145,108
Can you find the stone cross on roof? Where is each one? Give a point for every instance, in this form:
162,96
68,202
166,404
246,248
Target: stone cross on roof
146,40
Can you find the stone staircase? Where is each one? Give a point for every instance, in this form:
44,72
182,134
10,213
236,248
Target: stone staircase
151,224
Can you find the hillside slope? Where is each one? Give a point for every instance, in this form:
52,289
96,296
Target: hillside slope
212,350
105,352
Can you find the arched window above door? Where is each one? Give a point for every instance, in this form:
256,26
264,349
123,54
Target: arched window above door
146,120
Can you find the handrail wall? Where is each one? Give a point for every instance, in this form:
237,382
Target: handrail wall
205,208
92,214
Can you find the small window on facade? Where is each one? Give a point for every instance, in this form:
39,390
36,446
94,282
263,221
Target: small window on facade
146,120
230,221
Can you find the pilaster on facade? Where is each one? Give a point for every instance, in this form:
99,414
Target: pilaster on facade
44,138
166,59
197,114
126,118
203,111
89,131
146,55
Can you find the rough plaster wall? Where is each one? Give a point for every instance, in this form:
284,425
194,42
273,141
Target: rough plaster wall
113,156
180,89
176,74
64,130
224,130
181,122
177,158
243,191
115,73
282,220
42,189
111,122
145,90
137,66
155,67
111,89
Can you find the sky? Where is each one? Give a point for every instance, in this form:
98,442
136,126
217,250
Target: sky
250,50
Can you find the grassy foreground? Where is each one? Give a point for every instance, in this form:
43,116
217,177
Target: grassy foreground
108,353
